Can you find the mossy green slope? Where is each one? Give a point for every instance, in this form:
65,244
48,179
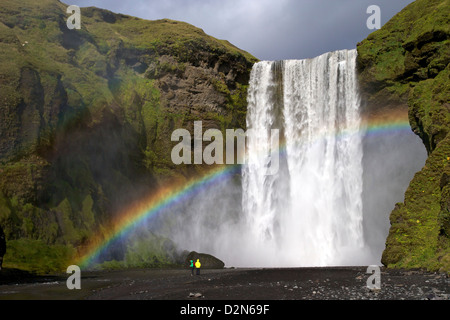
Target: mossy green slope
86,115
407,62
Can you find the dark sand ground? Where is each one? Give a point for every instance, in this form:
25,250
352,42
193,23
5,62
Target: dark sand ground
339,283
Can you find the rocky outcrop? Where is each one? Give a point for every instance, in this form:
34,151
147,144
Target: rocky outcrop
405,66
207,261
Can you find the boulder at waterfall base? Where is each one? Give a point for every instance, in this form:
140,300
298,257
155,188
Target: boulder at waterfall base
208,261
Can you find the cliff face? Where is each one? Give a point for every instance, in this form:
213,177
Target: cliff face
87,115
86,119
405,66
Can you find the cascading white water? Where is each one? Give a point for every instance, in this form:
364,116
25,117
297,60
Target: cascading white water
309,213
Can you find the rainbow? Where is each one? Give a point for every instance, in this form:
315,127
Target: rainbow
151,207
386,126
171,195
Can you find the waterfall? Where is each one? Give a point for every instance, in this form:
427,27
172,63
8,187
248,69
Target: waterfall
308,212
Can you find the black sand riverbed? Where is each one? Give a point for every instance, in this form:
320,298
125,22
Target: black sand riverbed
339,283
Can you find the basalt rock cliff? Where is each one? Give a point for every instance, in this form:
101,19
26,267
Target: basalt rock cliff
404,67
87,116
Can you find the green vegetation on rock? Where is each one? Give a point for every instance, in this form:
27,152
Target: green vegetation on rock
38,257
88,114
407,63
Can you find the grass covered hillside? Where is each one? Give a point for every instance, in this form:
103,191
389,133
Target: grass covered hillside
86,118
406,63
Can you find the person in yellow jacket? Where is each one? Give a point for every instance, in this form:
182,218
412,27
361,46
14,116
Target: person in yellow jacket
197,266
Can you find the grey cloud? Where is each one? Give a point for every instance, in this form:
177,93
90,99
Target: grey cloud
270,30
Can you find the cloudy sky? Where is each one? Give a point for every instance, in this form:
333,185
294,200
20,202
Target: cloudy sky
268,29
